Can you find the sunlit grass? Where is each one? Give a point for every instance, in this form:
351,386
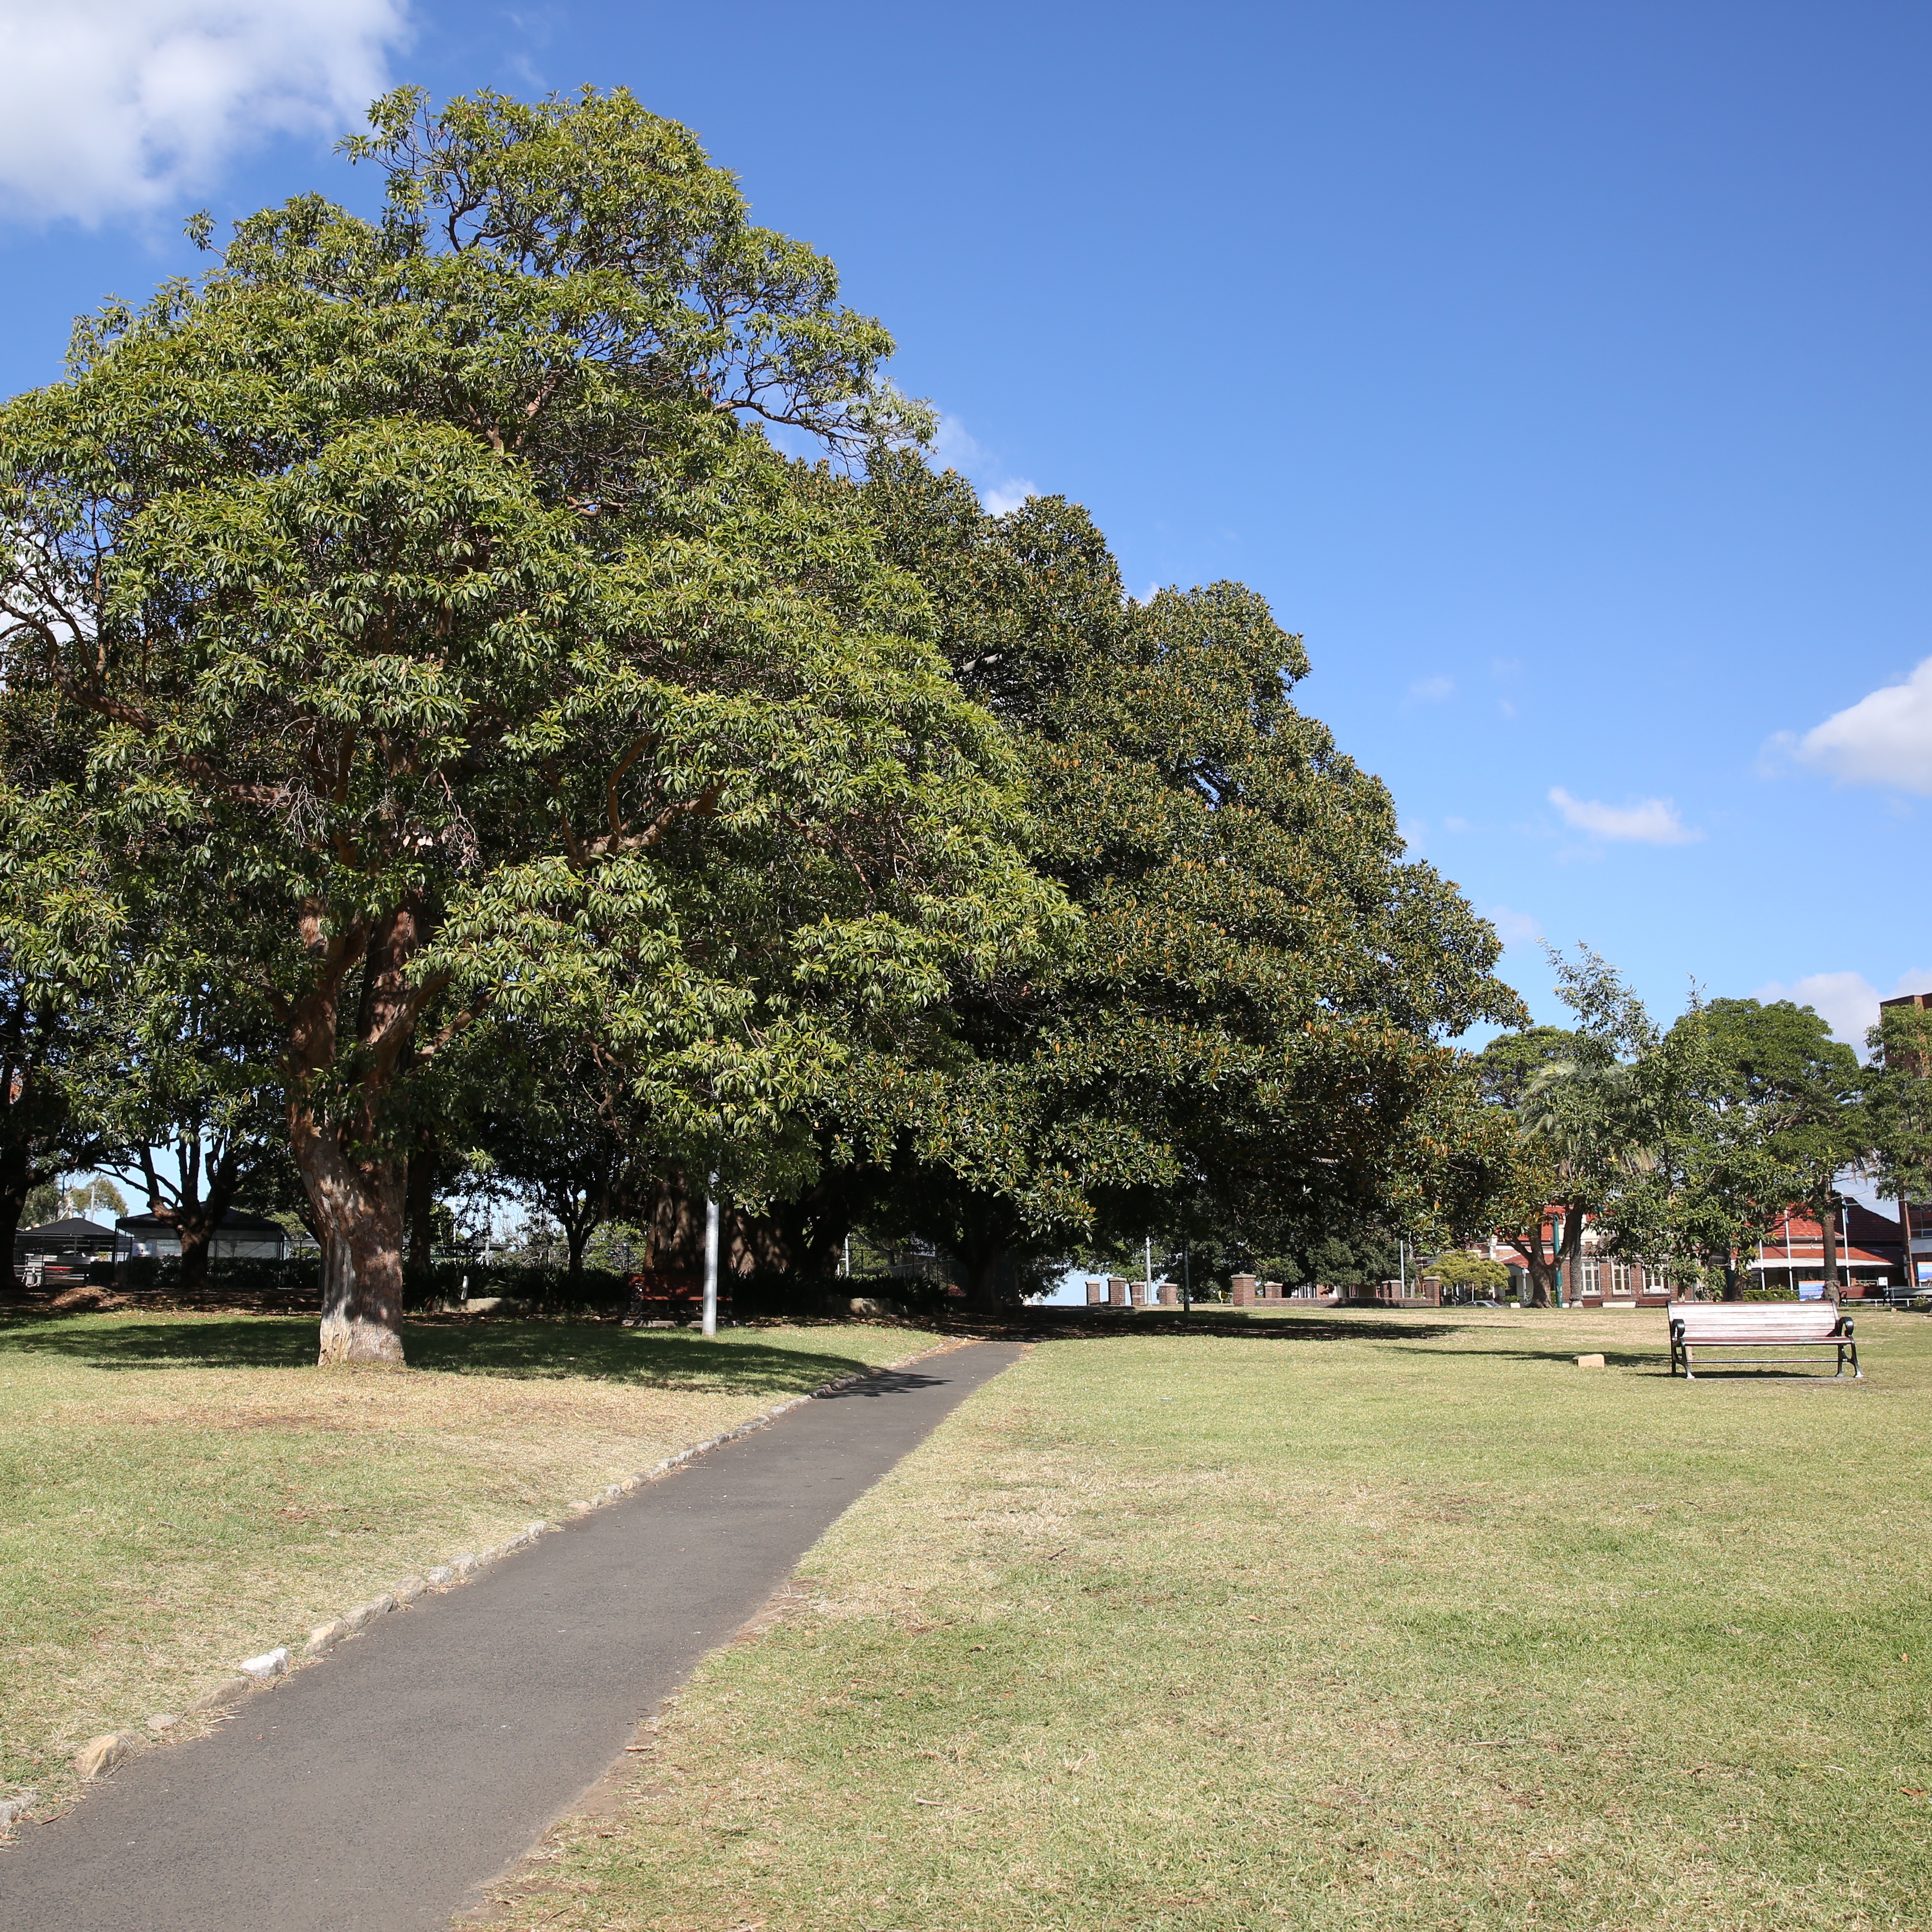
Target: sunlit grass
1417,1625
181,1491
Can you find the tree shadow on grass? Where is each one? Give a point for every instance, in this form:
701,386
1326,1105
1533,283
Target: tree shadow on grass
1100,1324
521,1350
1658,1358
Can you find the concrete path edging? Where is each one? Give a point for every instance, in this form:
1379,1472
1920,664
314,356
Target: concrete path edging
381,1787
101,1755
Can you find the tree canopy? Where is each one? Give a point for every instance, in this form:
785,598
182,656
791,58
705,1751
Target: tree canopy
409,612
1251,1026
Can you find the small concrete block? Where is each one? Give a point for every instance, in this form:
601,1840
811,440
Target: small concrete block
441,1577
163,1722
410,1589
582,1508
536,1530
467,1564
612,1492
103,1753
230,1691
630,1485
381,1607
1590,1361
17,1807
355,1619
325,1637
271,1664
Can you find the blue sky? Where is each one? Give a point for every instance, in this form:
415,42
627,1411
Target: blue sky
1558,371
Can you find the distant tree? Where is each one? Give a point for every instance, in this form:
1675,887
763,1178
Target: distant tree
98,1196
1803,1093
192,1106
1899,1101
562,1136
1586,1117
51,1040
1718,1178
1455,1267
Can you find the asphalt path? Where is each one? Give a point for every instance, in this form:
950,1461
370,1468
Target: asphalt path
380,1789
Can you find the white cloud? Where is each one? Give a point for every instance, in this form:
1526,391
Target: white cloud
1001,498
959,449
1885,739
1650,821
1847,1002
1512,928
1432,690
116,107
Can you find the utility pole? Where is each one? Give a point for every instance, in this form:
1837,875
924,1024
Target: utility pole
1150,1271
1186,1275
710,1325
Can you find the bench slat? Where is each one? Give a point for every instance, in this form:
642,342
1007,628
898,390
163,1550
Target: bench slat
1704,1323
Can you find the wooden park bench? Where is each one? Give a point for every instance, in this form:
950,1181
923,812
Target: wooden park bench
1764,1324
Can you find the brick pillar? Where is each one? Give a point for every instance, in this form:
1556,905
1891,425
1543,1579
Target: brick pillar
1170,1295
1117,1290
1097,1290
1242,1289
1271,1290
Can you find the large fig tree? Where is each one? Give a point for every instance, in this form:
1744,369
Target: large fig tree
423,622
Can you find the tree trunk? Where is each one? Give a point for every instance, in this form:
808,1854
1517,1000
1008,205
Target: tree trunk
1734,1280
983,1290
1573,1258
576,1236
422,1185
17,1183
358,1205
197,1239
1828,1221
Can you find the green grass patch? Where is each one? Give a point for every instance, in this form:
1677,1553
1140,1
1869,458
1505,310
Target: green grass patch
184,1491
1397,1622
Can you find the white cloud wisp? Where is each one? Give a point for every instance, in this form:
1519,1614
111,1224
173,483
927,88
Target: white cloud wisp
1847,1002
959,449
1885,739
111,107
1651,821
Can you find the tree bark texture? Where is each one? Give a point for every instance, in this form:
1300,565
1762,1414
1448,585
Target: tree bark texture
1827,1222
421,1186
358,1206
354,1176
1573,1257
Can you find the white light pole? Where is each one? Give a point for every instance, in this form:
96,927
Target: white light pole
711,1258
1150,1271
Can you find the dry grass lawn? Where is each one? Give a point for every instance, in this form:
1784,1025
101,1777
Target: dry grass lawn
1373,1621
182,1492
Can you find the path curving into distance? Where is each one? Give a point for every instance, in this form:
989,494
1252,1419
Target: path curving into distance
382,1788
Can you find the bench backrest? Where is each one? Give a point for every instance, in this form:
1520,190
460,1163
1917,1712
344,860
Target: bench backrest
1761,1321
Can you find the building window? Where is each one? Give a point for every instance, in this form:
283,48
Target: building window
1592,1275
1620,1278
